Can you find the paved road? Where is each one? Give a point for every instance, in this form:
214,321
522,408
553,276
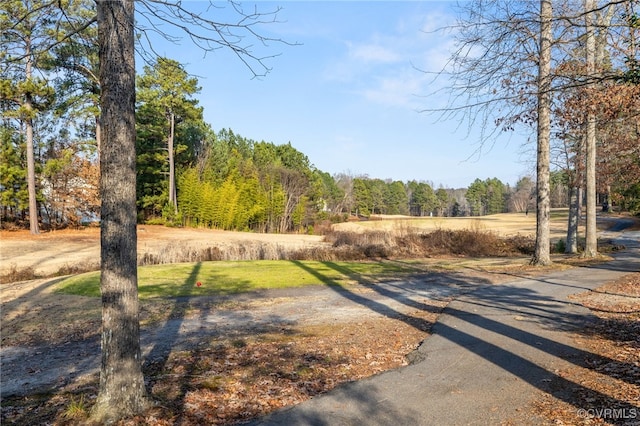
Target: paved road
489,354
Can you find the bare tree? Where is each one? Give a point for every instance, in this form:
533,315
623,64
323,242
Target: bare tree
541,254
591,244
500,76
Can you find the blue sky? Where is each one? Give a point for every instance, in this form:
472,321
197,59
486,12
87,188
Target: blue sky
348,95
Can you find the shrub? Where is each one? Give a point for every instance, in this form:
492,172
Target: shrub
559,246
442,242
15,274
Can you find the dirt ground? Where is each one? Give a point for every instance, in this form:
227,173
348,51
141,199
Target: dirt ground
225,360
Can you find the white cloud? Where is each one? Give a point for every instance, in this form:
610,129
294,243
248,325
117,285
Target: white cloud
396,68
372,53
396,90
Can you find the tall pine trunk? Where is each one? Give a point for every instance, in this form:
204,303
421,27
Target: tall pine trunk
542,248
591,244
122,390
31,162
173,200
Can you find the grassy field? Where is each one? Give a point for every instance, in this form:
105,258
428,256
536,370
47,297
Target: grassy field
505,224
229,277
367,240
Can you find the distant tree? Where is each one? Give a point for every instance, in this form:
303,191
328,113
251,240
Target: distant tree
363,201
422,199
70,183
26,28
486,197
165,90
559,181
377,190
520,200
443,202
395,199
14,197
344,181
327,194
476,193
459,205
495,196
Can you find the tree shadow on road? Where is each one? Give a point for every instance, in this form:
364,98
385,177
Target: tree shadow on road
527,303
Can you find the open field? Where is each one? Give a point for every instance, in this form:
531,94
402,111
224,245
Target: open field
506,224
60,252
50,252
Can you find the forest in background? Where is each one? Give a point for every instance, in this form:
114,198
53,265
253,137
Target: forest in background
189,174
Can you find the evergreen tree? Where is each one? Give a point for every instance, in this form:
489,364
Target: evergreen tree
26,31
169,124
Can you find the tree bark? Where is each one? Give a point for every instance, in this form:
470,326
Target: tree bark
591,244
172,166
122,390
574,219
31,162
542,249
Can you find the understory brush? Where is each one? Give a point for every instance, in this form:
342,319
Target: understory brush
441,242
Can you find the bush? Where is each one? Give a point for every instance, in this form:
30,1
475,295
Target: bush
559,246
442,242
15,275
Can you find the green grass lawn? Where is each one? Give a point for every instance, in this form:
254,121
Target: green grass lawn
235,277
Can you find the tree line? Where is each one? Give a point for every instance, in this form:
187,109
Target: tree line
190,175
567,73
186,173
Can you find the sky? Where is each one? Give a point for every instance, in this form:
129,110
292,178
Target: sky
348,90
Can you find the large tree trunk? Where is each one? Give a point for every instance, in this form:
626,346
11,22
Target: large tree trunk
542,249
591,244
31,162
122,390
173,200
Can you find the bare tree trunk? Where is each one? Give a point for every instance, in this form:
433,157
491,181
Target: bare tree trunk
122,390
574,219
172,166
31,162
591,244
542,249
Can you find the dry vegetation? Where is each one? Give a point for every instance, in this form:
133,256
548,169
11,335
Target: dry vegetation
609,389
240,376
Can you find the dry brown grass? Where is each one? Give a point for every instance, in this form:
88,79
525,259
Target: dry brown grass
412,243
609,391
